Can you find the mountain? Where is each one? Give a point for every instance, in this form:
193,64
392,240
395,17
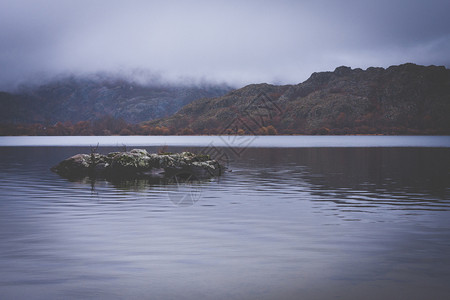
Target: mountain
89,98
400,99
404,99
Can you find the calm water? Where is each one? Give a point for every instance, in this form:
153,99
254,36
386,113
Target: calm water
286,223
231,141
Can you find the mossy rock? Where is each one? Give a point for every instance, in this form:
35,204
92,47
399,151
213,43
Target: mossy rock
137,162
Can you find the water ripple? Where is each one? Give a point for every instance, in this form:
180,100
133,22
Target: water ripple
288,218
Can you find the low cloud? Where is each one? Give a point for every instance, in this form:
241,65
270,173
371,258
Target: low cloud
237,42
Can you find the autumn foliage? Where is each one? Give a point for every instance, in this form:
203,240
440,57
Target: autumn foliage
368,124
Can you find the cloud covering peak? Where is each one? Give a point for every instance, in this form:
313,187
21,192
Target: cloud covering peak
238,42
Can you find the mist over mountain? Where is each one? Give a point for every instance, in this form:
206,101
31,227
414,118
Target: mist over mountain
400,99
81,98
404,99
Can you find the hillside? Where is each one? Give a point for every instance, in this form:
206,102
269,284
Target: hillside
83,98
400,99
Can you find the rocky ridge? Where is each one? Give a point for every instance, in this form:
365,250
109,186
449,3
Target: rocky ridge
375,100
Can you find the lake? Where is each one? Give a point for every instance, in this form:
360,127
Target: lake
295,217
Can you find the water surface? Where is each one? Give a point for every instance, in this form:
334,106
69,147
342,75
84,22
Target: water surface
299,141
286,223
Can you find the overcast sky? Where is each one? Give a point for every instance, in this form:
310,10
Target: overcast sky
238,42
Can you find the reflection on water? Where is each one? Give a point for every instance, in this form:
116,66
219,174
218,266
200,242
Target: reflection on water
393,178
306,223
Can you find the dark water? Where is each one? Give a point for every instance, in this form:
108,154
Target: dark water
305,223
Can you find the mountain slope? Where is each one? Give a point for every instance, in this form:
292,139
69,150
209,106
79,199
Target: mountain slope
400,99
78,99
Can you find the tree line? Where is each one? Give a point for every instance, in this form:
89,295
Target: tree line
112,126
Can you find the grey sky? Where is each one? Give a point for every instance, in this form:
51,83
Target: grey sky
238,42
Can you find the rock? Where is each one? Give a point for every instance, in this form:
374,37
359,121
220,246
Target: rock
131,161
138,162
343,71
76,165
